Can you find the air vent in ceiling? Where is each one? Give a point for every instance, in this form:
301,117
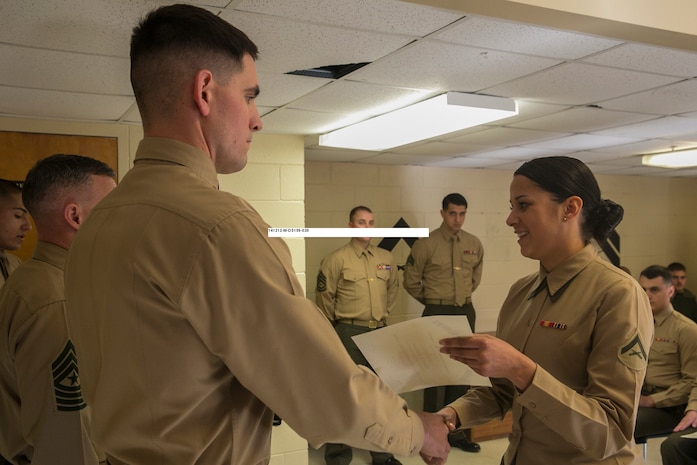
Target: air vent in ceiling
329,72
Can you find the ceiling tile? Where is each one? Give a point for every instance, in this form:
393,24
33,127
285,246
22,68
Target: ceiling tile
288,45
666,127
514,153
581,119
132,115
403,159
289,121
503,137
580,142
472,162
429,149
459,68
384,16
280,89
44,69
523,38
647,58
331,155
361,99
64,105
668,100
647,146
579,84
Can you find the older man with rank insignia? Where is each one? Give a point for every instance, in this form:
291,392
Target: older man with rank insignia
356,289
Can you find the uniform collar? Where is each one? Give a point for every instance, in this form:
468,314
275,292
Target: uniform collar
51,254
175,152
560,278
358,250
662,316
447,234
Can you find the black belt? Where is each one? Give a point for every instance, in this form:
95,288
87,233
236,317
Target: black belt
372,324
449,303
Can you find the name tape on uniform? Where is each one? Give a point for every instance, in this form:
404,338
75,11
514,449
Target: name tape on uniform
348,232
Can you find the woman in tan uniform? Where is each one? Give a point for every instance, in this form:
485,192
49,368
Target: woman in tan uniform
571,345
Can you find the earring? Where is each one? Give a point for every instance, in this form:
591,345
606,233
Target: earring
564,219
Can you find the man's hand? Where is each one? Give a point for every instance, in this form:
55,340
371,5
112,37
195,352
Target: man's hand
646,401
436,448
688,421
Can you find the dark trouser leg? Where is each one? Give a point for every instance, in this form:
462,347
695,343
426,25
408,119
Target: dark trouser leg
652,421
438,397
676,450
345,333
337,454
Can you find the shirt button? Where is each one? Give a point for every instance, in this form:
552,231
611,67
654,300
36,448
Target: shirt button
389,440
532,405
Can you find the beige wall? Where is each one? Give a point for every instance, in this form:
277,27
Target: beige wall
658,226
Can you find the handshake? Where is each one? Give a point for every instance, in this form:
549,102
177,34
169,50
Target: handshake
436,428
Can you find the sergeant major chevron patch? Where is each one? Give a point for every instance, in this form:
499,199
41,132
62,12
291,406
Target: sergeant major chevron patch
66,383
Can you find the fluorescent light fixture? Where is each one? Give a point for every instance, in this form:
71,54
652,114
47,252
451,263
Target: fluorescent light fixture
674,159
445,113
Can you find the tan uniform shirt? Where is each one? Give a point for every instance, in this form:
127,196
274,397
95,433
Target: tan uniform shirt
589,330
40,402
195,329
672,359
13,261
430,271
357,283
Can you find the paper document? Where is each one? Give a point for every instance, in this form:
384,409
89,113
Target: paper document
406,355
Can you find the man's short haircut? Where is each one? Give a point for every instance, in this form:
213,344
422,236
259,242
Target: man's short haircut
58,172
677,266
173,42
658,271
357,209
455,199
8,188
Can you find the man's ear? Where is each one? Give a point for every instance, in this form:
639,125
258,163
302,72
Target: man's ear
72,215
203,83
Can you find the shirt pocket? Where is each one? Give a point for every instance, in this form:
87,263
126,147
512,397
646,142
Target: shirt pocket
353,276
665,348
382,274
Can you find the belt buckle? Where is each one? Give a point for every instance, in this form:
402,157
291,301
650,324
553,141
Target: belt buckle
372,324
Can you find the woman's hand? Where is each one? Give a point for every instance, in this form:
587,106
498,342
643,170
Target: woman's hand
491,357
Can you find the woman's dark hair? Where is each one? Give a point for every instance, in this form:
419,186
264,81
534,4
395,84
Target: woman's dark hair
564,177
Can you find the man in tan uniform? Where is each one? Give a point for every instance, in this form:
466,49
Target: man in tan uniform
357,288
40,401
672,367
683,300
14,223
442,272
189,322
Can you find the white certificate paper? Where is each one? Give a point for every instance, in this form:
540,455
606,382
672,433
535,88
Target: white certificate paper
406,355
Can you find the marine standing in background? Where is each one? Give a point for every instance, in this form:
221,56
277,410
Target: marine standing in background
442,272
357,289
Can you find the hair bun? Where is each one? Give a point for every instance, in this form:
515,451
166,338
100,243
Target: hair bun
607,216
